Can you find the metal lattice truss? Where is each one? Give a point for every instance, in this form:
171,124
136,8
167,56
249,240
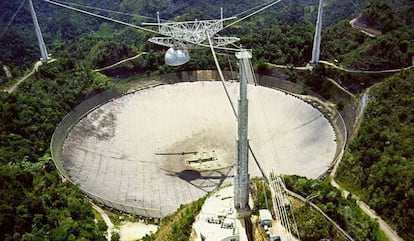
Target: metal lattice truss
191,34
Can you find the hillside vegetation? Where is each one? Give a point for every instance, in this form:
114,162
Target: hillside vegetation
34,203
378,165
392,50
344,212
177,226
60,25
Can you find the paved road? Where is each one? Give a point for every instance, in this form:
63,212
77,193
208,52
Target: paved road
14,87
120,62
388,231
364,71
307,67
368,31
106,219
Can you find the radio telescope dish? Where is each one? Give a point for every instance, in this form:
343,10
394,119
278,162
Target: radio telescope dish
176,57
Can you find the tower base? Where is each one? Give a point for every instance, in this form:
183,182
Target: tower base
243,213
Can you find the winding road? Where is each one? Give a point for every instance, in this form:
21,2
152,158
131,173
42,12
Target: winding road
106,219
120,62
365,71
388,231
14,87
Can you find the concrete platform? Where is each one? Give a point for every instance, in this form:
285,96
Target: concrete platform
218,220
136,149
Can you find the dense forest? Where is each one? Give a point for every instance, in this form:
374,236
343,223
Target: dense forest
378,165
345,212
393,49
287,29
35,205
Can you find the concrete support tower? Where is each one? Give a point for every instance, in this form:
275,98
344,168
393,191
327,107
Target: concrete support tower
45,57
317,40
241,179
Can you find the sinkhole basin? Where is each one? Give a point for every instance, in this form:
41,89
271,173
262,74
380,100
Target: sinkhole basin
150,151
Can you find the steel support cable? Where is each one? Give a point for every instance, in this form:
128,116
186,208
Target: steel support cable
280,205
281,209
255,12
294,223
129,24
276,208
220,73
284,212
291,209
253,75
253,8
231,103
266,118
105,10
281,189
315,207
264,190
12,19
276,156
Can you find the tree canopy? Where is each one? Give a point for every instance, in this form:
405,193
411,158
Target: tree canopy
379,161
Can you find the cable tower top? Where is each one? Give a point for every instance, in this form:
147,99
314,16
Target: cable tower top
190,34
181,36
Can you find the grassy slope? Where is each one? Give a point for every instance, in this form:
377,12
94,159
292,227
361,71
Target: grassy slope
177,226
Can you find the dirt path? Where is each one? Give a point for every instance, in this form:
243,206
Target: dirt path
128,231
